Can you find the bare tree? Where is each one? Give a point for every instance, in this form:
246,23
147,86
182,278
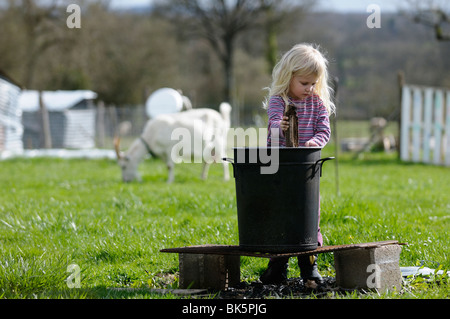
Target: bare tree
220,22
277,16
42,27
434,14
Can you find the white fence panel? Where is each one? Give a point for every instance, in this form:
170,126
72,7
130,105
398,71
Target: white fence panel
11,128
425,129
447,130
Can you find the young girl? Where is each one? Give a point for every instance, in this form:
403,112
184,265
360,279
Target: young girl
301,79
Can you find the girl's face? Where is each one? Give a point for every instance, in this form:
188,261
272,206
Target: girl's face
301,87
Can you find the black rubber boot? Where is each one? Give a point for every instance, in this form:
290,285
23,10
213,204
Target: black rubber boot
276,272
308,269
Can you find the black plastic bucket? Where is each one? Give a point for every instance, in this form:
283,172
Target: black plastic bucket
277,207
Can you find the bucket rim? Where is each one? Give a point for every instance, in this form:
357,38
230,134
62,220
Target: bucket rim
277,147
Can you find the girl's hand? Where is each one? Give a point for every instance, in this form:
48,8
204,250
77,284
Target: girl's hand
311,143
284,124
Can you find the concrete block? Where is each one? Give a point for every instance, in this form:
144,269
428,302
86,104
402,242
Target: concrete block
376,267
205,271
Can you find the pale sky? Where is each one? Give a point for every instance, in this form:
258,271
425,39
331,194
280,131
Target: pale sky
129,3
360,5
332,5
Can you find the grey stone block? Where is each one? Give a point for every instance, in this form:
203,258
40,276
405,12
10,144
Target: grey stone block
204,271
369,268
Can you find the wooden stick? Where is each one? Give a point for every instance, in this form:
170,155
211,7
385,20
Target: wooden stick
292,132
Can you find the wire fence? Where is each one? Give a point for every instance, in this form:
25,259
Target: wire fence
92,127
124,122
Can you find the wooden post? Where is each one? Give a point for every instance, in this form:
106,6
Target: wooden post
335,135
401,83
427,124
417,124
447,131
405,123
438,126
45,122
113,120
292,132
101,124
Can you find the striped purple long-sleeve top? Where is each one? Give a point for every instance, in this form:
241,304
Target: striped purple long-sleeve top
313,120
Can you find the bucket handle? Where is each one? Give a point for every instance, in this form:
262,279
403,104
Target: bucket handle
230,160
321,161
227,159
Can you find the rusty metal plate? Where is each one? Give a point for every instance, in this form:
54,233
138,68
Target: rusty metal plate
236,250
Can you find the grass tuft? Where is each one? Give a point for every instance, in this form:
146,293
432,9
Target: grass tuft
54,213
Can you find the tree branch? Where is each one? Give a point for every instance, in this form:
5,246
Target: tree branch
434,18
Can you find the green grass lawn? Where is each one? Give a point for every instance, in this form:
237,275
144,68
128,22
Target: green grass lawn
54,213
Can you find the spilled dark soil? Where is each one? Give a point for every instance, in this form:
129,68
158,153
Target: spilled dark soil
292,288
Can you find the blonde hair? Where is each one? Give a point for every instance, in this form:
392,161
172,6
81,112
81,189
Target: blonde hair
302,60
